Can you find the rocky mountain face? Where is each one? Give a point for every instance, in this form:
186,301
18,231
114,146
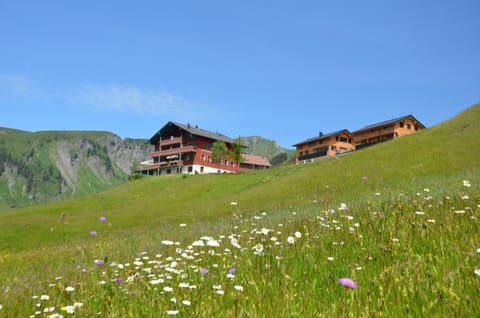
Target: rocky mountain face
260,146
41,166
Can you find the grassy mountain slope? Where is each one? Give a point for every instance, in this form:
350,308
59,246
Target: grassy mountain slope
51,165
268,148
397,218
440,154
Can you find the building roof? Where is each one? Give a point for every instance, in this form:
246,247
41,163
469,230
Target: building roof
323,136
256,160
390,122
192,130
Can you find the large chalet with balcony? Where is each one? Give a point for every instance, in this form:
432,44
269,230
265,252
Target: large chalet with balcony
324,145
343,141
179,149
184,149
386,130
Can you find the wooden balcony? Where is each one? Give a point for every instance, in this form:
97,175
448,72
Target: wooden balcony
172,141
173,151
163,164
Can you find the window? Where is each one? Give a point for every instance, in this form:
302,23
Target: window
409,126
306,152
210,159
201,169
343,139
401,125
226,163
336,138
203,157
232,163
334,147
190,169
301,153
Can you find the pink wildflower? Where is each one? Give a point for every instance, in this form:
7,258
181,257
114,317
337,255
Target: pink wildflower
348,283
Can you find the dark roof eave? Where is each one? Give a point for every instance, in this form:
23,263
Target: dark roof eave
389,122
194,131
323,137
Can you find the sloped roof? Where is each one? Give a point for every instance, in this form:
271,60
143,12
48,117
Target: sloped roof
256,160
389,122
192,130
323,136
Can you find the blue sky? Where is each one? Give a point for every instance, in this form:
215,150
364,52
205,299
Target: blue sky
283,70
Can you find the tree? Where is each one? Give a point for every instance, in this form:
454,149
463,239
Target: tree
237,150
219,152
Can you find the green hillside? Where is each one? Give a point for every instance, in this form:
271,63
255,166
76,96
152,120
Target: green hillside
51,165
267,148
398,217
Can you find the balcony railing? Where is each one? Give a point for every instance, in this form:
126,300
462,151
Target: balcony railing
167,142
172,151
312,155
162,164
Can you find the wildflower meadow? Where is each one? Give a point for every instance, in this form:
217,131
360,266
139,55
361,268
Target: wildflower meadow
389,254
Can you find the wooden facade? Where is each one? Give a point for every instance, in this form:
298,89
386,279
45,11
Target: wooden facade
387,130
324,145
343,141
179,149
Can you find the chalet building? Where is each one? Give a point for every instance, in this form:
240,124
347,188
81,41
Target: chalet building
343,141
324,145
386,130
182,149
253,162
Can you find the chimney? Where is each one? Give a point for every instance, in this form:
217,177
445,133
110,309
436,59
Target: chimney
188,125
320,134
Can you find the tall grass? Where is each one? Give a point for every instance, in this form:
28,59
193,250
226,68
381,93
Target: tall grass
398,219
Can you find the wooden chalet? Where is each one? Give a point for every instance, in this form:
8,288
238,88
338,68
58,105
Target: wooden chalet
253,162
332,144
386,130
182,149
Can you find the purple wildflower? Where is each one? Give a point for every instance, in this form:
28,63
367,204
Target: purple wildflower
364,178
348,283
203,271
100,262
93,233
231,270
118,280
103,219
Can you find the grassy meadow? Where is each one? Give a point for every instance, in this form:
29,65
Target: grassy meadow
400,220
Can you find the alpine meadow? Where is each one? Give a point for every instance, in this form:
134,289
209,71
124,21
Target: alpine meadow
387,231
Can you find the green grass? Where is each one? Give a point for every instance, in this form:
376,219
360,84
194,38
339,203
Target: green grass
409,239
28,156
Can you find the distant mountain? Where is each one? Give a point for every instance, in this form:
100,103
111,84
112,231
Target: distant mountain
268,148
48,165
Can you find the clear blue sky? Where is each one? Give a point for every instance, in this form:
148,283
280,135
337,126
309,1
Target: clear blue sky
283,70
